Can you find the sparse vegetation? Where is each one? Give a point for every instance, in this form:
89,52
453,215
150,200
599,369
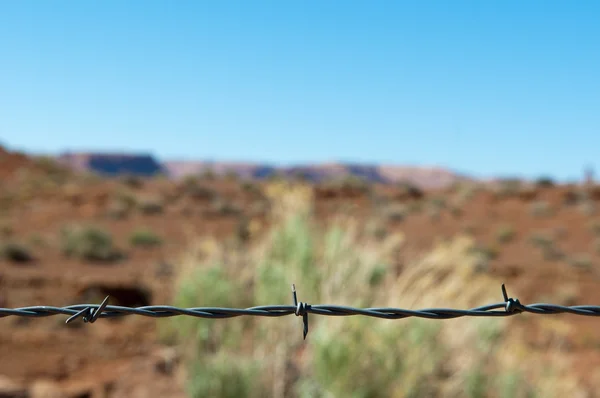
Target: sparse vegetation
89,243
333,258
145,238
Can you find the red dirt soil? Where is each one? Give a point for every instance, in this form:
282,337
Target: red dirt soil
122,357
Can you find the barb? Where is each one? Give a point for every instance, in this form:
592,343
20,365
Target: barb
301,310
90,313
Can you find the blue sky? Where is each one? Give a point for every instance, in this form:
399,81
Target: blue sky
482,87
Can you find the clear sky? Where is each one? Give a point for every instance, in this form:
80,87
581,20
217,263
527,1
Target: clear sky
483,87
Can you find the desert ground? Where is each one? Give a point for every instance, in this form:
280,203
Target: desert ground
70,238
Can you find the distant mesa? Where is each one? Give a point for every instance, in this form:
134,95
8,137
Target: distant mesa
115,164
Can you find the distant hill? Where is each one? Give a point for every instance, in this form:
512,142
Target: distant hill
113,164
147,165
425,177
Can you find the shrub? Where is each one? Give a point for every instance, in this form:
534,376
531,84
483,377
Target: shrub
89,243
505,234
595,227
117,209
507,187
342,264
438,202
580,260
552,253
541,239
544,182
250,186
597,245
208,174
37,240
408,190
231,175
6,230
322,262
587,208
197,190
150,205
351,183
540,209
132,181
546,243
224,207
396,212
16,252
144,238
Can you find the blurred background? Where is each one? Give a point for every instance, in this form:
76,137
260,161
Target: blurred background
402,154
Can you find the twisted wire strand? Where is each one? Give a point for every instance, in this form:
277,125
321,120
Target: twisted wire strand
91,312
164,311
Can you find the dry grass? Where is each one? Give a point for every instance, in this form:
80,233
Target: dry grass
347,264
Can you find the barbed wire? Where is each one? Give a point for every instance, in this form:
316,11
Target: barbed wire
92,312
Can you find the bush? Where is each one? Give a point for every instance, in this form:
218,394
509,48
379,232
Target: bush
117,210
505,234
323,263
580,260
540,209
16,252
544,182
408,190
144,238
150,205
507,187
595,227
224,207
587,208
541,239
6,229
132,181
344,264
396,213
89,243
